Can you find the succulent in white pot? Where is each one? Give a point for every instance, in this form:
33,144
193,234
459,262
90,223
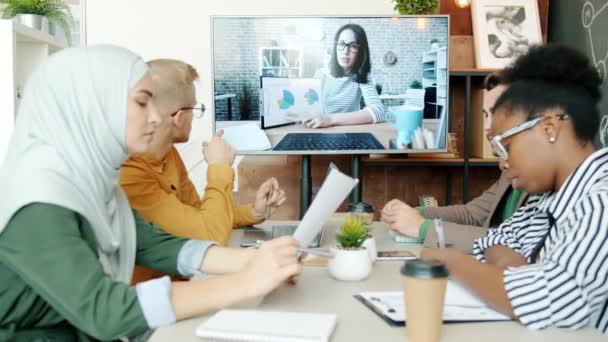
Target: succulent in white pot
351,261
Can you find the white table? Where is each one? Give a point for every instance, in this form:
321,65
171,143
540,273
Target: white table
318,292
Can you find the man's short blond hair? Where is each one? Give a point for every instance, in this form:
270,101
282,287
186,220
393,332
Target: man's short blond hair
171,79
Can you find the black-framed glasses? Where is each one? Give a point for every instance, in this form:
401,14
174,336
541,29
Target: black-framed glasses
197,112
352,46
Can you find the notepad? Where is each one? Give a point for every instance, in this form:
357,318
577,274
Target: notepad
247,137
271,326
460,306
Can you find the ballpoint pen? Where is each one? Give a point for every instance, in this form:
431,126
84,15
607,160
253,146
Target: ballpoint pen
313,251
439,230
268,204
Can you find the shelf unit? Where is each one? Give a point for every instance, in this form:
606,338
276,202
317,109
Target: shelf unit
434,76
21,49
280,62
465,162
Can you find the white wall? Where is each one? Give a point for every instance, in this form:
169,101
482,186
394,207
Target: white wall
181,29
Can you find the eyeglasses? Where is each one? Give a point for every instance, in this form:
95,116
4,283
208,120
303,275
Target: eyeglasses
499,149
197,112
352,46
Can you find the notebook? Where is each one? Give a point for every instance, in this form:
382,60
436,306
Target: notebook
247,137
271,326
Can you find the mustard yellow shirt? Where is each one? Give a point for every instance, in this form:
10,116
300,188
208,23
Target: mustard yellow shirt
162,193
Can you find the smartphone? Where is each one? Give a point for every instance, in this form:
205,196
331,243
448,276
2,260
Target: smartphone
395,255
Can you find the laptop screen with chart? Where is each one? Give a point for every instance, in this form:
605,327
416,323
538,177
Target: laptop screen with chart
327,84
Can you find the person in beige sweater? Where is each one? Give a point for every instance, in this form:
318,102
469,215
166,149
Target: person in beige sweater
467,222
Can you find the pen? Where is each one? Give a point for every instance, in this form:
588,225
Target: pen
268,204
439,230
313,251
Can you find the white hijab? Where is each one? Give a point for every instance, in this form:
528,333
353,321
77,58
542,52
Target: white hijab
68,145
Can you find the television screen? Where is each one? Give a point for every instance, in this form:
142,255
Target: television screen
324,85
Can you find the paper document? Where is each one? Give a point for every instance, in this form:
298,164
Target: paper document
459,306
247,137
334,190
267,326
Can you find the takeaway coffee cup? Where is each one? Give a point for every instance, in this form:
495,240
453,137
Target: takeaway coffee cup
424,281
364,209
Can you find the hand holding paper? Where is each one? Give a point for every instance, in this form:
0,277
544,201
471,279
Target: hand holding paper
333,191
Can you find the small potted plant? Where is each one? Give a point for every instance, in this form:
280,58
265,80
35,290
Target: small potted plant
416,84
410,7
379,88
244,98
40,14
351,261
434,44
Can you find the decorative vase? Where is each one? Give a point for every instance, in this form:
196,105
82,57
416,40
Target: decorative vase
370,245
34,21
53,31
434,46
350,264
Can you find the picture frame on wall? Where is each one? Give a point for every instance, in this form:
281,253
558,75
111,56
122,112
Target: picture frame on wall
503,30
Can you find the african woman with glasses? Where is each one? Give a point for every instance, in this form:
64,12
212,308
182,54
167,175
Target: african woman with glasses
346,82
546,266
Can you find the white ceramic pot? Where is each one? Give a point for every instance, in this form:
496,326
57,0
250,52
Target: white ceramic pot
34,21
350,264
434,46
370,245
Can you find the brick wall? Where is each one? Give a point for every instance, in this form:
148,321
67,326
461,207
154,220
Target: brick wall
237,44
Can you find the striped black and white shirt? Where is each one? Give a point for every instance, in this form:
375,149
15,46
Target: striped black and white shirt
343,95
567,286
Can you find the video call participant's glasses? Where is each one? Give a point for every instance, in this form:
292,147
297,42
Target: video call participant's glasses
352,46
500,150
197,112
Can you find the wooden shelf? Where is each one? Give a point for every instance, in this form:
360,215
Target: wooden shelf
26,34
471,72
413,161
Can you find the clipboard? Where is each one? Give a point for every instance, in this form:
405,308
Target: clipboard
460,307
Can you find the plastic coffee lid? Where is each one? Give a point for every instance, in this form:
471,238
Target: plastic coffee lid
360,207
424,268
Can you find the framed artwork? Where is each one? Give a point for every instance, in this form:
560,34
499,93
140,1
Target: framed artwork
504,30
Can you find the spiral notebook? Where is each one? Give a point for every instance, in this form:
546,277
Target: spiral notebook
270,326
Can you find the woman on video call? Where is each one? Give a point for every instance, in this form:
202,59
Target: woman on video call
346,81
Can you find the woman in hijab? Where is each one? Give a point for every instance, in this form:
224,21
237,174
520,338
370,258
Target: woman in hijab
68,239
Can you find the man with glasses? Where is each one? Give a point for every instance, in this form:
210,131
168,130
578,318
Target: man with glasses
157,182
467,222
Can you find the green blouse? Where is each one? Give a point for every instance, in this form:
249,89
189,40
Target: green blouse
50,276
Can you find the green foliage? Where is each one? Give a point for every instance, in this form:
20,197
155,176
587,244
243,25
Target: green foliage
245,97
56,11
353,232
434,40
379,88
416,84
411,7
